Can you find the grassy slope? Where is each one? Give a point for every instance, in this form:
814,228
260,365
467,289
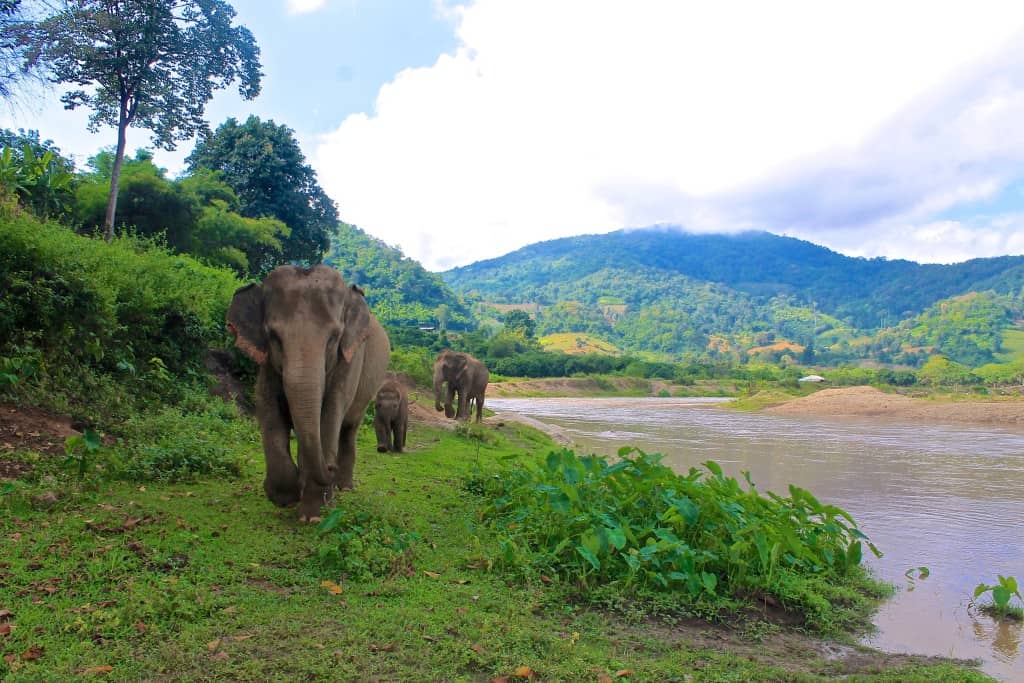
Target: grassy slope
208,581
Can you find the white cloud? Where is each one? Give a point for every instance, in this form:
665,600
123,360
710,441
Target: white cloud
304,6
560,118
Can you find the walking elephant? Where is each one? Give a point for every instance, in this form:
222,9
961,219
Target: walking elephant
391,416
466,377
321,356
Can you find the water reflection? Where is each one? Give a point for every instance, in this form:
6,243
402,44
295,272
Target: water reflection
945,497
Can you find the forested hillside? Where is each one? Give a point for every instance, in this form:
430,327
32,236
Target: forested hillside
752,294
400,291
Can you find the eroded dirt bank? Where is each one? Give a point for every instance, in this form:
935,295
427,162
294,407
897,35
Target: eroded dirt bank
867,401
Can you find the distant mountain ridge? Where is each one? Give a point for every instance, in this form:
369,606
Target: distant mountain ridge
858,290
681,292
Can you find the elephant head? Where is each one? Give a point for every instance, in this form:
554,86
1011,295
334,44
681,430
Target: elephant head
303,327
447,369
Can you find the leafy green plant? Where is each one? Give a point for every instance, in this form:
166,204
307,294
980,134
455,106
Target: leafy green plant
1002,593
361,547
638,524
80,450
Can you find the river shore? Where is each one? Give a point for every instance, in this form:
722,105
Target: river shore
864,401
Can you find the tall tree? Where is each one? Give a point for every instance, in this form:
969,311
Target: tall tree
152,64
261,161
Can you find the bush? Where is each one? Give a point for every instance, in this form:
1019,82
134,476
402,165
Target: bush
175,444
128,310
639,525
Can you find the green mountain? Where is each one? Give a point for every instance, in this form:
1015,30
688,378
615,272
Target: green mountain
399,290
670,292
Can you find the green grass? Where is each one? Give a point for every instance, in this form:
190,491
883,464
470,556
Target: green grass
206,580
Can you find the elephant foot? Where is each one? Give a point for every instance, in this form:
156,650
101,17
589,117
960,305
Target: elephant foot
382,449
315,519
281,496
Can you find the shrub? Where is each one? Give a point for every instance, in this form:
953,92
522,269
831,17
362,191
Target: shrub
129,310
638,524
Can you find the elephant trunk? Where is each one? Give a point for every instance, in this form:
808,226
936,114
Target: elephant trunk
304,389
438,381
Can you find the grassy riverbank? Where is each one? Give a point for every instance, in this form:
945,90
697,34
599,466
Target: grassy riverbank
206,580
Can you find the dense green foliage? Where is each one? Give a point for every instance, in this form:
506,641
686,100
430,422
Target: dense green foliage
196,214
147,63
104,325
262,163
33,172
636,523
400,291
752,295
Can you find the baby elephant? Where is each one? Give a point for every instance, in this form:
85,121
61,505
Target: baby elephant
392,416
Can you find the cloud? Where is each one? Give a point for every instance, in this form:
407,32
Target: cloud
857,124
304,6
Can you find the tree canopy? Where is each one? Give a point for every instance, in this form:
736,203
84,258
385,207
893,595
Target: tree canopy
152,64
262,162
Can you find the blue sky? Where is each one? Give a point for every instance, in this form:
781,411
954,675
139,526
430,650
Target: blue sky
460,131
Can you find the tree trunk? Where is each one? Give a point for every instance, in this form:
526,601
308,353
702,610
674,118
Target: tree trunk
115,174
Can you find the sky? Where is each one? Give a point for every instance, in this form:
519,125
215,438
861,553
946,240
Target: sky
461,131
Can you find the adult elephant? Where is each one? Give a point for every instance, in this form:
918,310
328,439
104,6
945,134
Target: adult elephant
391,416
321,356
464,376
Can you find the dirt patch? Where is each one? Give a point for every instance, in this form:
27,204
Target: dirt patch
870,402
25,428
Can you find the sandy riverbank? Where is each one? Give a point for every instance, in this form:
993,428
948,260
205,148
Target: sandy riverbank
870,402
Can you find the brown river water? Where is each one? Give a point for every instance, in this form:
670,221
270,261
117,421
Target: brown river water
946,497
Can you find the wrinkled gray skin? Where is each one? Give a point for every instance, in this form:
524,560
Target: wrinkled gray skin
321,357
391,416
466,377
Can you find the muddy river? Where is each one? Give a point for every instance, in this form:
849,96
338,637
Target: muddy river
949,498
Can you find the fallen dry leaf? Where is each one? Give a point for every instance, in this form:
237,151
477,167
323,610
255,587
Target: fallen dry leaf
433,575
524,672
93,670
5,629
242,636
230,609
429,639
34,652
332,588
622,673
140,627
220,656
213,645
5,614
546,579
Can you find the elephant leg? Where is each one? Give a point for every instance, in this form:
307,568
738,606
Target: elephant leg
449,398
382,426
464,410
281,483
400,426
479,407
345,478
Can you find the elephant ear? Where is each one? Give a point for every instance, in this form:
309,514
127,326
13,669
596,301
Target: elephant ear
245,322
357,323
